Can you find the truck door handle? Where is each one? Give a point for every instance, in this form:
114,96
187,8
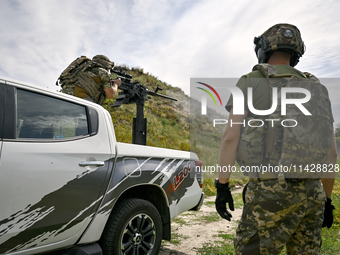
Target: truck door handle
92,163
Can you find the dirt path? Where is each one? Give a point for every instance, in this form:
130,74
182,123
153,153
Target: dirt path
192,229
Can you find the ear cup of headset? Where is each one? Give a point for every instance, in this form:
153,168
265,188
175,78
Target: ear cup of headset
261,45
261,56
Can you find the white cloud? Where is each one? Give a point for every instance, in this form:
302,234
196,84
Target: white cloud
215,38
38,37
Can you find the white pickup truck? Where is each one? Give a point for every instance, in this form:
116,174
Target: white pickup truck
68,187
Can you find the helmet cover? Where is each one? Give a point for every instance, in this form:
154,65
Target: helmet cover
282,37
103,61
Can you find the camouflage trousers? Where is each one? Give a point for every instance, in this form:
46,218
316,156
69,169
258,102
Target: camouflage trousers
273,218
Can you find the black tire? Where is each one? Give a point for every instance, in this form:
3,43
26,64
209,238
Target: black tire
134,227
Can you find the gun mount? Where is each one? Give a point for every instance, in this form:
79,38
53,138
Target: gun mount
134,92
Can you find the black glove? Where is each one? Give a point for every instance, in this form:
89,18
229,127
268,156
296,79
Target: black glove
328,214
223,196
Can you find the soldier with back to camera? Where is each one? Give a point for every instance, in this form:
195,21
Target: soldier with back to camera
282,208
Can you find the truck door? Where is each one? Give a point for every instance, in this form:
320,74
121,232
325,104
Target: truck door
54,167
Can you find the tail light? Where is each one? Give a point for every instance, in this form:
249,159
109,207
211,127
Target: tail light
199,173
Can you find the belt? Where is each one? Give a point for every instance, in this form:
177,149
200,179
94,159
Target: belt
264,176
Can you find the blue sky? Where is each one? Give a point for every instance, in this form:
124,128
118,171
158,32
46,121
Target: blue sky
173,40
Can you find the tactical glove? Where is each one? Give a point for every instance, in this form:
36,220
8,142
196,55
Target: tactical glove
328,214
223,196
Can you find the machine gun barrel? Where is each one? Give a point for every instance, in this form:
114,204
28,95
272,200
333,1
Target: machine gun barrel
154,93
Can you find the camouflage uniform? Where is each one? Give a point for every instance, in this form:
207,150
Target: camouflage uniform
273,218
90,82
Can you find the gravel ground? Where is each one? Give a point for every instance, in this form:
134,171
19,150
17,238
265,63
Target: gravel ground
191,229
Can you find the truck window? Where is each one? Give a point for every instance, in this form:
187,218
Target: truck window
45,117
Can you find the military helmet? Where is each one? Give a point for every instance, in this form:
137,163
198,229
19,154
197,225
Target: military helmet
103,61
281,37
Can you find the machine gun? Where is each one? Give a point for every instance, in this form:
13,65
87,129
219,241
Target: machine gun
134,92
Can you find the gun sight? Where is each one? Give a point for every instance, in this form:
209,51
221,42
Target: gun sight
121,73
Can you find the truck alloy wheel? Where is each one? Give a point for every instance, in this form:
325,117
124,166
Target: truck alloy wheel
139,235
134,227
